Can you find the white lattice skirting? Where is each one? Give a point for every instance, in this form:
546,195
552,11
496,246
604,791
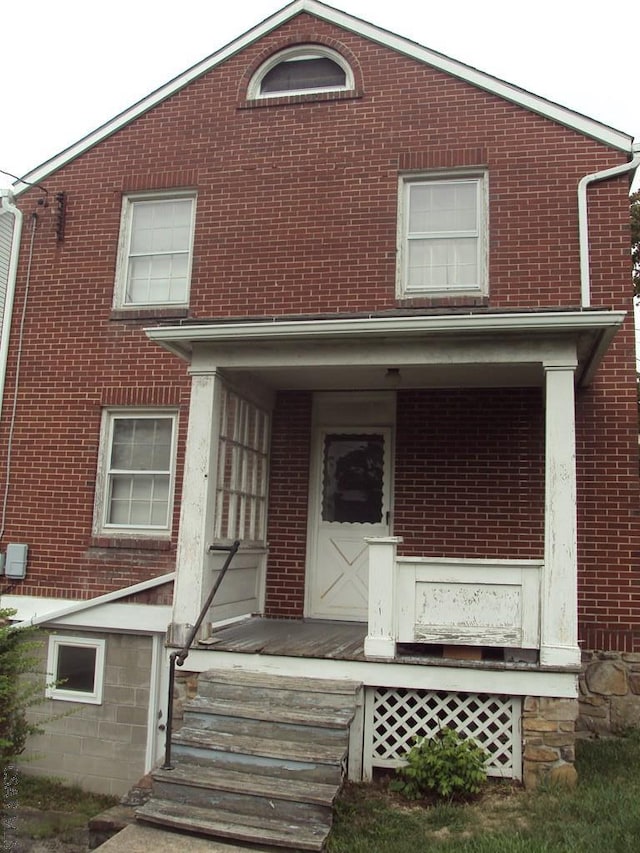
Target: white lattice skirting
393,716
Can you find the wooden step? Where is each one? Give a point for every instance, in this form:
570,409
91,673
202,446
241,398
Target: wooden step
244,828
268,719
321,762
298,692
245,793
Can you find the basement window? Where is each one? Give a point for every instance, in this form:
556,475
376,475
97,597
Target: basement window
75,667
301,70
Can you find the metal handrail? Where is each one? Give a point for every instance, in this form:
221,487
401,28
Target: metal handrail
180,655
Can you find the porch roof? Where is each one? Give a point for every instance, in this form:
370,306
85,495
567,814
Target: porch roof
488,348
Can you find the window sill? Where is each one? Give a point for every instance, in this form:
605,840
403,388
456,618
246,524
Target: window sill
132,543
148,313
443,301
282,100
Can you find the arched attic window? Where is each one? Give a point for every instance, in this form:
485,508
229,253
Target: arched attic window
301,70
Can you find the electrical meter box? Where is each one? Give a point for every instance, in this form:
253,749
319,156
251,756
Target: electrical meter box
16,561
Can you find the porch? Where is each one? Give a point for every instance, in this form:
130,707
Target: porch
417,691
458,442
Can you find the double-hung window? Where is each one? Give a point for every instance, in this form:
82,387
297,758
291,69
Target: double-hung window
136,473
442,236
154,258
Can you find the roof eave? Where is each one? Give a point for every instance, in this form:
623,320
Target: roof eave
599,326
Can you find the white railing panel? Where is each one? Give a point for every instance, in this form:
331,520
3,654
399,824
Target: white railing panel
470,602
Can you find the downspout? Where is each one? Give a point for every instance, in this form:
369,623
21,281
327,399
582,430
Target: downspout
583,217
8,206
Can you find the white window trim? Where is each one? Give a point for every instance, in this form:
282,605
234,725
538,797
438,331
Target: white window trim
299,51
54,691
100,525
482,286
122,263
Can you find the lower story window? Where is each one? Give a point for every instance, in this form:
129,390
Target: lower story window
75,669
136,473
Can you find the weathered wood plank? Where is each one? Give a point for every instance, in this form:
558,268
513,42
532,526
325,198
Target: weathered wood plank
310,753
246,828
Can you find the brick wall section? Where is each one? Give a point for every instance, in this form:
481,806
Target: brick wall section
288,503
296,215
470,473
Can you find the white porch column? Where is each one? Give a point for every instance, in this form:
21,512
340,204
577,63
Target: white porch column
559,605
381,636
198,503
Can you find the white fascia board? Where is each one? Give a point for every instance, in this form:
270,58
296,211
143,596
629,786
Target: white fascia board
559,682
59,609
132,618
179,339
129,618
535,103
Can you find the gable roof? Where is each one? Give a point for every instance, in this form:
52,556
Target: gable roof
562,115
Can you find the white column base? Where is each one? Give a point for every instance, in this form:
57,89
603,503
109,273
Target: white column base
560,656
379,647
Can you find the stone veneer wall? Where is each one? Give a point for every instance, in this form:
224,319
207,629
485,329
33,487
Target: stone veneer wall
609,693
548,735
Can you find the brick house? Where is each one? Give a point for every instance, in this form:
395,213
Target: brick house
368,311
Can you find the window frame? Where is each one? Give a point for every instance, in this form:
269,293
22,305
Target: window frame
102,527
310,51
406,182
129,202
55,691
242,486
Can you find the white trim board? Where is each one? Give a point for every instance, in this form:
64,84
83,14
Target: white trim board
105,616
561,684
535,103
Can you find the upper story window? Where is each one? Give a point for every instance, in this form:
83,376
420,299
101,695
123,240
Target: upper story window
442,241
154,257
301,70
136,473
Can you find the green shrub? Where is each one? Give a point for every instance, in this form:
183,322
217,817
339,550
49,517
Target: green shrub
17,659
447,765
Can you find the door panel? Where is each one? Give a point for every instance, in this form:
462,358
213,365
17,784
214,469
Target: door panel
352,503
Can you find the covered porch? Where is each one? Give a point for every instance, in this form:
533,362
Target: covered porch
300,381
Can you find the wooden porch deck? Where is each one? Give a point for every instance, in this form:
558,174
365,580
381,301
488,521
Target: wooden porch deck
291,638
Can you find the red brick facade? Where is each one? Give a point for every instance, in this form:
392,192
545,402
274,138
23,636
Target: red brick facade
296,216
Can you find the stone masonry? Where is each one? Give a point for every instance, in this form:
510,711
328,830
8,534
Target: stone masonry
609,693
548,734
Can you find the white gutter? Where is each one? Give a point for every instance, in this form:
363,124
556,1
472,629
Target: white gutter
583,217
9,207
79,606
179,339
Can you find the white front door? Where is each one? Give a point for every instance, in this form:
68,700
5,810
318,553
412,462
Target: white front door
351,501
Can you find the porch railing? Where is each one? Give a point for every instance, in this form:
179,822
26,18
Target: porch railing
179,656
479,602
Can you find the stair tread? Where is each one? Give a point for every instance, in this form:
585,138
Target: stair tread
247,828
322,716
283,682
235,781
266,747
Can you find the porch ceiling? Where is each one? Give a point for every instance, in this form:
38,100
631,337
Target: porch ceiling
490,350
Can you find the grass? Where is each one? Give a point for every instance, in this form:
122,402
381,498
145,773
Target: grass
601,814
46,808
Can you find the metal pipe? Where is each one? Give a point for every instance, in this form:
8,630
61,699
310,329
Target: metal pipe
583,217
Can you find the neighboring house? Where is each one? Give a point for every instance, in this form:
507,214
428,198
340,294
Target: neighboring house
354,304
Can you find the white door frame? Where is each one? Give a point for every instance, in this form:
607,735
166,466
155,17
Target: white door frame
366,411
